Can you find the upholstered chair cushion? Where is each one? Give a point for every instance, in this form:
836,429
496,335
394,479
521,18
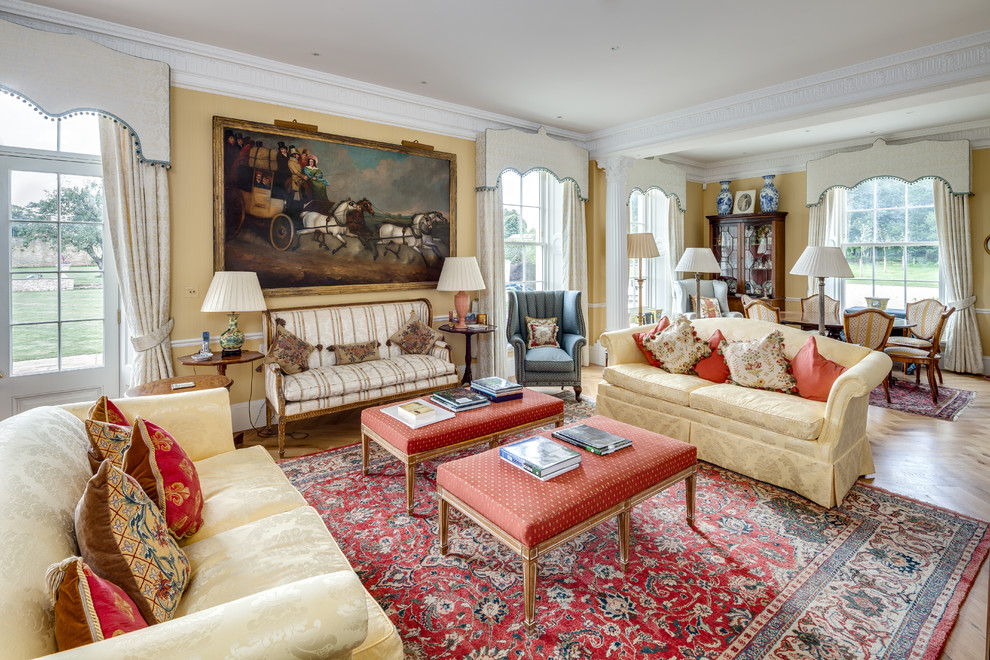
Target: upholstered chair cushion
123,537
760,364
88,608
678,348
813,373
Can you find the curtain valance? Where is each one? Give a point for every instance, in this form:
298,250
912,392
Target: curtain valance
511,149
646,173
949,161
61,74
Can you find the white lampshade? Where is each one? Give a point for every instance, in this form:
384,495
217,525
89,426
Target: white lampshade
234,291
641,246
698,260
460,274
822,261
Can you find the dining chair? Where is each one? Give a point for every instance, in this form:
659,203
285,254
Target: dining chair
923,357
870,328
809,308
762,311
925,315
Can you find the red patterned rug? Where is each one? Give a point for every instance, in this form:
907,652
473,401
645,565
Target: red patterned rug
765,573
908,397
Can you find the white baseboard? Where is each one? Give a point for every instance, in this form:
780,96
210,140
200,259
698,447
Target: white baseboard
597,354
240,419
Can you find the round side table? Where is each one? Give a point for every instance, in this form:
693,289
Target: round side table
164,386
468,332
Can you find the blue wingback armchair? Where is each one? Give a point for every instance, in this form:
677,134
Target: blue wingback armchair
546,365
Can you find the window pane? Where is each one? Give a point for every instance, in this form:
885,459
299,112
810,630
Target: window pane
82,296
890,193
922,264
860,197
861,262
510,188
921,224
33,246
33,196
531,189
23,127
82,344
860,227
82,199
921,193
890,225
34,348
33,297
511,222
80,135
82,245
531,223
920,290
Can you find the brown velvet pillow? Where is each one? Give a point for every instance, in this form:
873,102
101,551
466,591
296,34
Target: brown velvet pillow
362,351
415,336
123,537
290,352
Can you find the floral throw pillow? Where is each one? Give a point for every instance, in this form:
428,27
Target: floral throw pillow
362,351
710,308
415,336
677,348
760,363
168,477
639,337
88,608
290,352
107,442
541,332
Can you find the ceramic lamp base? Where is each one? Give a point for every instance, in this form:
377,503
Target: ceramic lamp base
461,305
232,339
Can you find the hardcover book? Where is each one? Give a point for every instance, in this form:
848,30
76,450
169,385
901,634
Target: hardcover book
495,385
541,454
440,414
416,411
543,475
460,398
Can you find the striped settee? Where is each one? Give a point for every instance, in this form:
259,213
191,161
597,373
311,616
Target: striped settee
327,387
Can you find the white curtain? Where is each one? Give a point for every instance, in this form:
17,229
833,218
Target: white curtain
138,212
675,246
963,352
575,250
492,358
826,221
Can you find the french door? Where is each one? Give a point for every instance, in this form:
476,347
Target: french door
60,337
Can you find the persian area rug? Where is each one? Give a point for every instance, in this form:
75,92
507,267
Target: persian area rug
909,397
764,573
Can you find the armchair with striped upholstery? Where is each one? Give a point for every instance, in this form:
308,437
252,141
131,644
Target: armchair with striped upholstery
870,328
809,308
762,311
923,357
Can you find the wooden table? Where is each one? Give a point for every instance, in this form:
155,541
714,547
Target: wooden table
468,332
221,362
164,386
832,326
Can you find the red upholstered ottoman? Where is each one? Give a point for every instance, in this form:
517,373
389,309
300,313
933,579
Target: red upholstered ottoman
532,516
465,429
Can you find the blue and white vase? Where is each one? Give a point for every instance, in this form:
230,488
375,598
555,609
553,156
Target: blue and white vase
723,203
769,197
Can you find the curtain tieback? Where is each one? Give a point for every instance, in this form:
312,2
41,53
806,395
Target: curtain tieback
152,339
960,305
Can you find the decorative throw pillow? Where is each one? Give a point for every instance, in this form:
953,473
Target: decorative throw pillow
107,442
541,332
288,351
814,374
639,337
167,475
415,336
123,537
713,367
760,363
362,351
677,348
710,308
88,608
104,410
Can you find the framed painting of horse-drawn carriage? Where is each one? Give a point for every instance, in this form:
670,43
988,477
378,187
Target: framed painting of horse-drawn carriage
316,213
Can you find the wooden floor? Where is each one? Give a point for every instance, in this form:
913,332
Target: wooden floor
944,463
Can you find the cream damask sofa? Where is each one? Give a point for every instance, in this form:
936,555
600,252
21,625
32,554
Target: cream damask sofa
328,387
267,579
817,449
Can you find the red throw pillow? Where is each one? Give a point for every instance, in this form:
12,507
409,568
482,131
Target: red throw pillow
167,475
104,410
638,337
713,367
813,373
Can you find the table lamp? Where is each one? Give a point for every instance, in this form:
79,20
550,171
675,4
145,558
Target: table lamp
821,261
699,260
233,292
460,274
641,246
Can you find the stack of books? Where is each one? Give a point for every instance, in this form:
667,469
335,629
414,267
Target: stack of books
497,389
459,399
541,457
591,439
417,413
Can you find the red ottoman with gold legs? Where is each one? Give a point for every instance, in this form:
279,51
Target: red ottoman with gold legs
532,517
466,429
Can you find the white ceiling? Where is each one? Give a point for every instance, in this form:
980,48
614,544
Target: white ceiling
699,83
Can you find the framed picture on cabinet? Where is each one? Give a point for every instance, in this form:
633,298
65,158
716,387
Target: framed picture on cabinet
745,202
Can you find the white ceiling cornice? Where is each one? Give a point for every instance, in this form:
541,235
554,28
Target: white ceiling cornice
911,72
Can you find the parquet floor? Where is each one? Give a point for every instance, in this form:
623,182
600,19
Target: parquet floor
944,463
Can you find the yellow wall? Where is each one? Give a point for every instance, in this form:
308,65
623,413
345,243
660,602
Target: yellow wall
191,199
979,216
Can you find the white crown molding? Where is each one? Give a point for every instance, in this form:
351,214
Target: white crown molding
922,69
